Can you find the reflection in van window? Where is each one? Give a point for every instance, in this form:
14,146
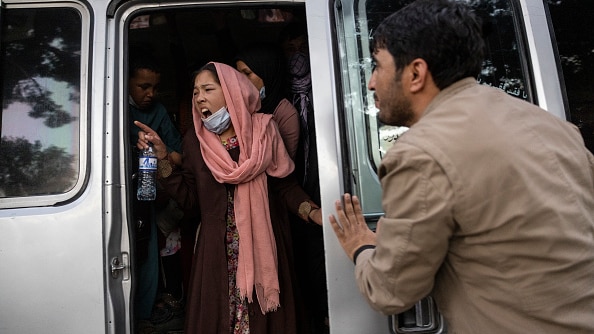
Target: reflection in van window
39,128
572,23
503,67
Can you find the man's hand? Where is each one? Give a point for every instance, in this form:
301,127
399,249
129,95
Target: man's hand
352,232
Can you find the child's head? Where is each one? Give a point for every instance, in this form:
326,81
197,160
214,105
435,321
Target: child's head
144,78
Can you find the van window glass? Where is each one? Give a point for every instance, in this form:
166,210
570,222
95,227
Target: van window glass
574,33
39,121
504,67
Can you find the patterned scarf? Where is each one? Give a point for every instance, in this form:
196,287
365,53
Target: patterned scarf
300,80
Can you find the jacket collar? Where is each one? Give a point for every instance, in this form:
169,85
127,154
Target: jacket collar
448,92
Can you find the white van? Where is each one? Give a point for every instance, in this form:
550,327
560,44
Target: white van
66,246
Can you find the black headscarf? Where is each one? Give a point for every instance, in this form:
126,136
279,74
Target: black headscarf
268,63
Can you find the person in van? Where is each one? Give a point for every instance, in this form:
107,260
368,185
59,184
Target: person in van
293,41
264,65
309,238
488,199
163,214
234,175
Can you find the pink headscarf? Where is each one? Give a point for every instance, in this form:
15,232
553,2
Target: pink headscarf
262,152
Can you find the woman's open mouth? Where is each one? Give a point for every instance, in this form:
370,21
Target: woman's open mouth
205,113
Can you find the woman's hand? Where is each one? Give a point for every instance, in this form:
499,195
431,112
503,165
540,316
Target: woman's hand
148,135
315,215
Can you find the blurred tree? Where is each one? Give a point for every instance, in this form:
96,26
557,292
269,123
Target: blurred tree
33,170
40,43
41,52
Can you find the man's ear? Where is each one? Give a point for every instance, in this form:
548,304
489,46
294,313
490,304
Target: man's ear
420,76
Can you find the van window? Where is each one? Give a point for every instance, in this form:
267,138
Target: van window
41,107
572,24
504,67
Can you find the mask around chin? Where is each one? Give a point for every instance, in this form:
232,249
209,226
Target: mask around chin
218,122
262,92
131,101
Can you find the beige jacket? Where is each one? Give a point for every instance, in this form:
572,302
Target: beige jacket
489,206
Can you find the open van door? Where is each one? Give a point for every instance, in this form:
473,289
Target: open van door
351,141
348,311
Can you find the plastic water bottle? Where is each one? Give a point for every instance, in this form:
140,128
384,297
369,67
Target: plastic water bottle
147,175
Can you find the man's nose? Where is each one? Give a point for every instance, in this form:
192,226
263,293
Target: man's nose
371,83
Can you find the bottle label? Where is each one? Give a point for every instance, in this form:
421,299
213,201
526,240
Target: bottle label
147,164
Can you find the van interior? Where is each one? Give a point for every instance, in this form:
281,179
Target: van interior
182,41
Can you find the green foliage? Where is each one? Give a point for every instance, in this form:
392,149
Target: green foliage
44,43
26,169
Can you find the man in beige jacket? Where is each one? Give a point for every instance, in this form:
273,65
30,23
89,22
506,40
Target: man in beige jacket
488,200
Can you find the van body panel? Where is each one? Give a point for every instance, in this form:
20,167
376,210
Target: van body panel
52,267
549,94
348,311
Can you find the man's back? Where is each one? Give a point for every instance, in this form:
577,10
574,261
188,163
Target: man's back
522,246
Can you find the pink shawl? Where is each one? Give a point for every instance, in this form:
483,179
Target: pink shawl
261,152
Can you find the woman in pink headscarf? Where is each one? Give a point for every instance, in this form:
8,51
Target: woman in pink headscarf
233,175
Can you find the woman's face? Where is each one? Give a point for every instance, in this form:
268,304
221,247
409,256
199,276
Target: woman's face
208,94
254,78
297,44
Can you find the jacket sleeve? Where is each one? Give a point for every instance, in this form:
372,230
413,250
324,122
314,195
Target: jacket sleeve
412,236
591,161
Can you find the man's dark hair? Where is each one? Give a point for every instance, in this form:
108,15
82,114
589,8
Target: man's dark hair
142,58
445,33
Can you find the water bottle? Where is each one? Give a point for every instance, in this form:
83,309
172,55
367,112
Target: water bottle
147,175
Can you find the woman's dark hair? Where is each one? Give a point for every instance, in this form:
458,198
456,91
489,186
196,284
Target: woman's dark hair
267,61
445,33
293,30
208,67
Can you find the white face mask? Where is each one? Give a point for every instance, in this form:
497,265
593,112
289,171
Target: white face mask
131,101
218,122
